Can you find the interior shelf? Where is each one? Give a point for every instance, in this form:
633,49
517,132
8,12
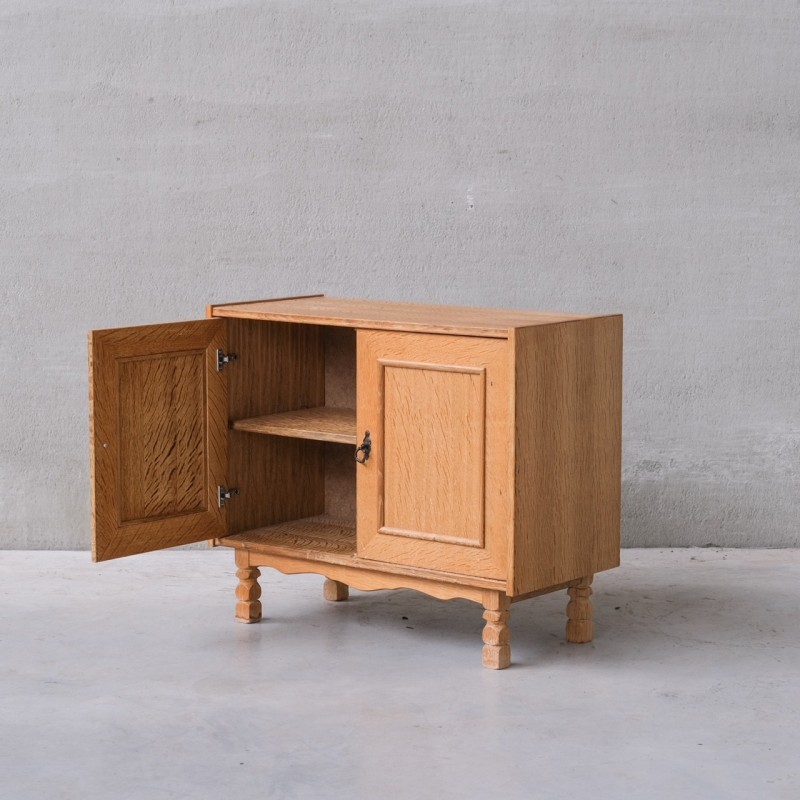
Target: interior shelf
320,538
321,423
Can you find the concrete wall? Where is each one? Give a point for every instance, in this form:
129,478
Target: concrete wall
597,156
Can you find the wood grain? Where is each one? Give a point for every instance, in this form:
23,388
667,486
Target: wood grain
340,483
439,445
329,541
383,315
280,368
162,435
158,422
210,306
248,592
335,591
367,580
340,392
496,633
495,469
339,345
434,424
320,424
568,408
313,537
580,628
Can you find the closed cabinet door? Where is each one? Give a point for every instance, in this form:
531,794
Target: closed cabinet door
436,490
158,418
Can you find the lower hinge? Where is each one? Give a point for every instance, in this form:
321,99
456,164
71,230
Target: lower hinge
223,495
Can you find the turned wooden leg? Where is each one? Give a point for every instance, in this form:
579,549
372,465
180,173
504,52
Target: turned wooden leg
248,609
334,590
496,633
579,611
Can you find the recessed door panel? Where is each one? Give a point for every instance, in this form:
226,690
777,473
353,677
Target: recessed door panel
436,490
159,436
434,424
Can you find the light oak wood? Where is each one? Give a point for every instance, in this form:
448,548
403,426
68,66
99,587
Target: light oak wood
434,422
494,474
368,580
330,541
518,598
160,401
312,537
214,542
248,592
335,591
580,628
436,490
158,419
279,368
383,315
210,307
496,633
568,412
320,423
340,482
339,345
340,393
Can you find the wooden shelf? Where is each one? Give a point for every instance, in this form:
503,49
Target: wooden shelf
331,540
322,424
318,538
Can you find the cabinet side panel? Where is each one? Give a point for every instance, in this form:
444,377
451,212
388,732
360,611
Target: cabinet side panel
568,400
279,368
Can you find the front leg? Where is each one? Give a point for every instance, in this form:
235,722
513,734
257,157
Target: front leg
248,592
496,633
580,628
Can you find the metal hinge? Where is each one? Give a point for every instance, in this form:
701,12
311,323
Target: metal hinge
223,494
224,358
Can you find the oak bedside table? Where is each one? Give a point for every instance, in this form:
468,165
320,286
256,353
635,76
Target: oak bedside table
461,452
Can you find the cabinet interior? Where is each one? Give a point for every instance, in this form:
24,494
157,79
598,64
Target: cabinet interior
291,406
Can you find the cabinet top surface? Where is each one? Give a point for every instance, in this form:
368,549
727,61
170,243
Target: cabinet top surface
384,315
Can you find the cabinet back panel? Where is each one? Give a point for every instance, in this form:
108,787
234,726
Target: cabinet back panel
280,367
340,366
339,345
279,479
340,483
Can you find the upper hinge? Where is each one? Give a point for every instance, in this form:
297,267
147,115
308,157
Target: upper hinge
224,494
224,358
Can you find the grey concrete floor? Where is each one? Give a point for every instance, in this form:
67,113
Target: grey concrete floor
131,680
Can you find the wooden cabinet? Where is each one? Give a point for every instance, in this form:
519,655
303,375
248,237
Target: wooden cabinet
460,452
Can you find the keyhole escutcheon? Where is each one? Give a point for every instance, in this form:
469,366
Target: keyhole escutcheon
364,449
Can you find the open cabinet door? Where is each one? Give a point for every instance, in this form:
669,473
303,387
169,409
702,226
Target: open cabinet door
158,429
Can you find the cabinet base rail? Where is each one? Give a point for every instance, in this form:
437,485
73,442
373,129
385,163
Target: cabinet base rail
339,578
